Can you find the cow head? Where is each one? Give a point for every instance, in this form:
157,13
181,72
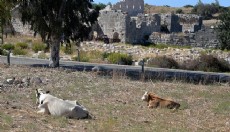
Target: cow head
38,93
145,97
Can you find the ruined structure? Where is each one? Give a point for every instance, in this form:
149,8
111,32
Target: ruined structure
126,22
132,7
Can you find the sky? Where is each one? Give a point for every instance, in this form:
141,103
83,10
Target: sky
172,3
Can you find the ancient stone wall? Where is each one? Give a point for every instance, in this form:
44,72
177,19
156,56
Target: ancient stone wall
17,25
113,24
181,22
132,7
141,27
205,38
190,22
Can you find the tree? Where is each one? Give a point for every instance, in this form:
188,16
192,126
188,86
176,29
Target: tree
5,13
58,19
99,6
223,30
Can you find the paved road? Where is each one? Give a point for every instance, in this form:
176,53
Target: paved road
134,72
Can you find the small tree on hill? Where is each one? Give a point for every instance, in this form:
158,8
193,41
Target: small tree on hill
58,19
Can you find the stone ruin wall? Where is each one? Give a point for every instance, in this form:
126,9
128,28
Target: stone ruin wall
205,38
190,22
142,25
132,7
181,22
17,26
113,24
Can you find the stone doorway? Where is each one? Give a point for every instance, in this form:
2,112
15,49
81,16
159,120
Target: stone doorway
116,37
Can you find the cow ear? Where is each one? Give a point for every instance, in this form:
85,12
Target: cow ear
47,91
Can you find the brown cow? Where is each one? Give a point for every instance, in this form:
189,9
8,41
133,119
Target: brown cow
154,101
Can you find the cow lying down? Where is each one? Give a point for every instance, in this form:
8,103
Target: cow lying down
153,101
49,104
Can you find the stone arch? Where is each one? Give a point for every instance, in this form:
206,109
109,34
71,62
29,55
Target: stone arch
164,28
116,37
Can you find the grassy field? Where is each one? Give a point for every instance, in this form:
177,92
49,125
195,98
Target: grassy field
115,103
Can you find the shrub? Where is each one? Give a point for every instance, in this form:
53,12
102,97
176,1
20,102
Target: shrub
2,52
208,63
38,47
19,51
179,11
22,45
8,46
163,62
86,56
188,6
161,46
67,50
120,58
43,56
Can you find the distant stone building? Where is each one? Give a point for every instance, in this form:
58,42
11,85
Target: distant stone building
125,21
132,7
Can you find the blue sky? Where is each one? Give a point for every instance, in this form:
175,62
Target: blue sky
172,3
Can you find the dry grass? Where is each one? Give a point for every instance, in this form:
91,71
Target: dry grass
115,102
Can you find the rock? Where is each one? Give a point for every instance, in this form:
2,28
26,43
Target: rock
36,80
10,80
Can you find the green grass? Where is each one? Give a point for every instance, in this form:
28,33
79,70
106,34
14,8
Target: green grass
5,121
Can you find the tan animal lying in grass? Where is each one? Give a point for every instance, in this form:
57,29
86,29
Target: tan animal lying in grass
49,104
154,101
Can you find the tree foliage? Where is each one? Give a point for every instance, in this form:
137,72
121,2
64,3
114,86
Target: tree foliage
223,30
58,19
99,6
5,14
206,10
5,8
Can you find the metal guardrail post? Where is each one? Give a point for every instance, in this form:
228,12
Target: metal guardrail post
8,57
142,66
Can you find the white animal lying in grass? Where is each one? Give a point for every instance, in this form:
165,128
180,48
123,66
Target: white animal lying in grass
49,104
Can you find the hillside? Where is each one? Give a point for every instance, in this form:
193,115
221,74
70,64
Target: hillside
165,9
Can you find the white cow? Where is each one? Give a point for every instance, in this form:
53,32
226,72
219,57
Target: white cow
48,104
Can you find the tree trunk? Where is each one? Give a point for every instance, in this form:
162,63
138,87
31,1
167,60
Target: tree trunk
54,52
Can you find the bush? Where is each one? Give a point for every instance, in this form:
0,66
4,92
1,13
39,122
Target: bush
163,62
43,56
161,46
87,56
19,51
8,46
179,11
116,58
38,47
188,6
2,52
22,45
208,63
67,50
